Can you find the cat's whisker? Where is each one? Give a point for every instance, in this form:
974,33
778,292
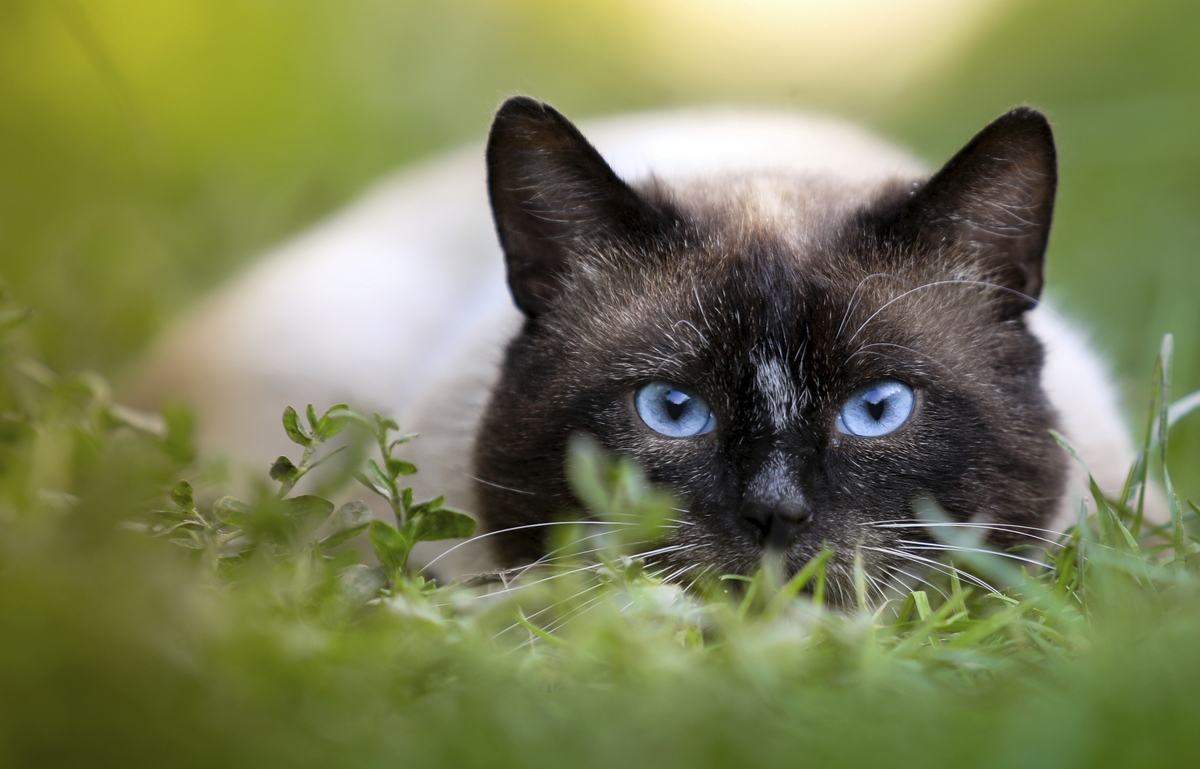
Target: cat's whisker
938,565
586,606
865,349
479,537
532,639
679,572
932,284
663,363
917,580
666,550
699,303
547,559
508,590
594,536
911,545
1022,531
850,305
539,612
705,570
685,512
1003,530
874,584
574,613
902,523
690,325
501,486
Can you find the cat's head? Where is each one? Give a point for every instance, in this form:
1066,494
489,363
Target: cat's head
800,362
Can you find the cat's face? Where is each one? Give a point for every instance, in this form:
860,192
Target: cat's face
795,380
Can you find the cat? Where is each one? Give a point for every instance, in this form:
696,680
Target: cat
786,321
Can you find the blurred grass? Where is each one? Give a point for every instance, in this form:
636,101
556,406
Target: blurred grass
149,149
121,650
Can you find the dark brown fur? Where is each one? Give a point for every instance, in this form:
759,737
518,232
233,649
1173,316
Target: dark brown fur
924,282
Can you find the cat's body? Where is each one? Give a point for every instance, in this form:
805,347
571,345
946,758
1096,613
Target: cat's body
751,274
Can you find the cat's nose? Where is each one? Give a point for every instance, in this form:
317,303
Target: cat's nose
776,521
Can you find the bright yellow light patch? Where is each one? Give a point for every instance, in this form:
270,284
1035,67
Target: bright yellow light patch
817,46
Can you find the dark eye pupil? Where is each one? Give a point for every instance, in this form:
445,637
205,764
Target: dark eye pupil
877,408
676,404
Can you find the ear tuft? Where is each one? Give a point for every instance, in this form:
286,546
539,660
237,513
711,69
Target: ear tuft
551,193
996,196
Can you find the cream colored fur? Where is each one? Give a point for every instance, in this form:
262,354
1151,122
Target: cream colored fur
399,303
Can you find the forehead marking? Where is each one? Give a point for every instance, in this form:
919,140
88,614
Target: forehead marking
779,392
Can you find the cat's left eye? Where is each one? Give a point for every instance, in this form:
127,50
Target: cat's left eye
673,410
877,409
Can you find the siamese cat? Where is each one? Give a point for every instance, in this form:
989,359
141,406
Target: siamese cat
787,322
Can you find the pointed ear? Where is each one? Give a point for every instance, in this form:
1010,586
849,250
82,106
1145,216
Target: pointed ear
996,197
551,192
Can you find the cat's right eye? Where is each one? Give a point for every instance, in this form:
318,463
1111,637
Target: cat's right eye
673,410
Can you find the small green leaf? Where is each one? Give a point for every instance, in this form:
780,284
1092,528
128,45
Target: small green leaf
333,540
380,478
406,497
349,520
397,467
424,507
382,425
305,507
444,524
311,413
182,496
360,583
283,470
370,484
232,511
291,425
187,542
391,547
163,530
401,440
350,515
333,421
174,516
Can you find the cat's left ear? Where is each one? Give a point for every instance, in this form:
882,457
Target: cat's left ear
996,199
552,197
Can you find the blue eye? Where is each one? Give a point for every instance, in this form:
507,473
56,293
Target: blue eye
877,409
672,410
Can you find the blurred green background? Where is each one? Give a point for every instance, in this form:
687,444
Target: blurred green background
150,148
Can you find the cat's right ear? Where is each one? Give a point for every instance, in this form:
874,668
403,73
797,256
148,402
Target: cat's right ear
995,199
552,195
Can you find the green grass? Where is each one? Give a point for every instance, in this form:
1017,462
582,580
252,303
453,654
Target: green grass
252,633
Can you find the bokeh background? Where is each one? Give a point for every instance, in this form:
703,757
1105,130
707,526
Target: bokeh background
149,148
